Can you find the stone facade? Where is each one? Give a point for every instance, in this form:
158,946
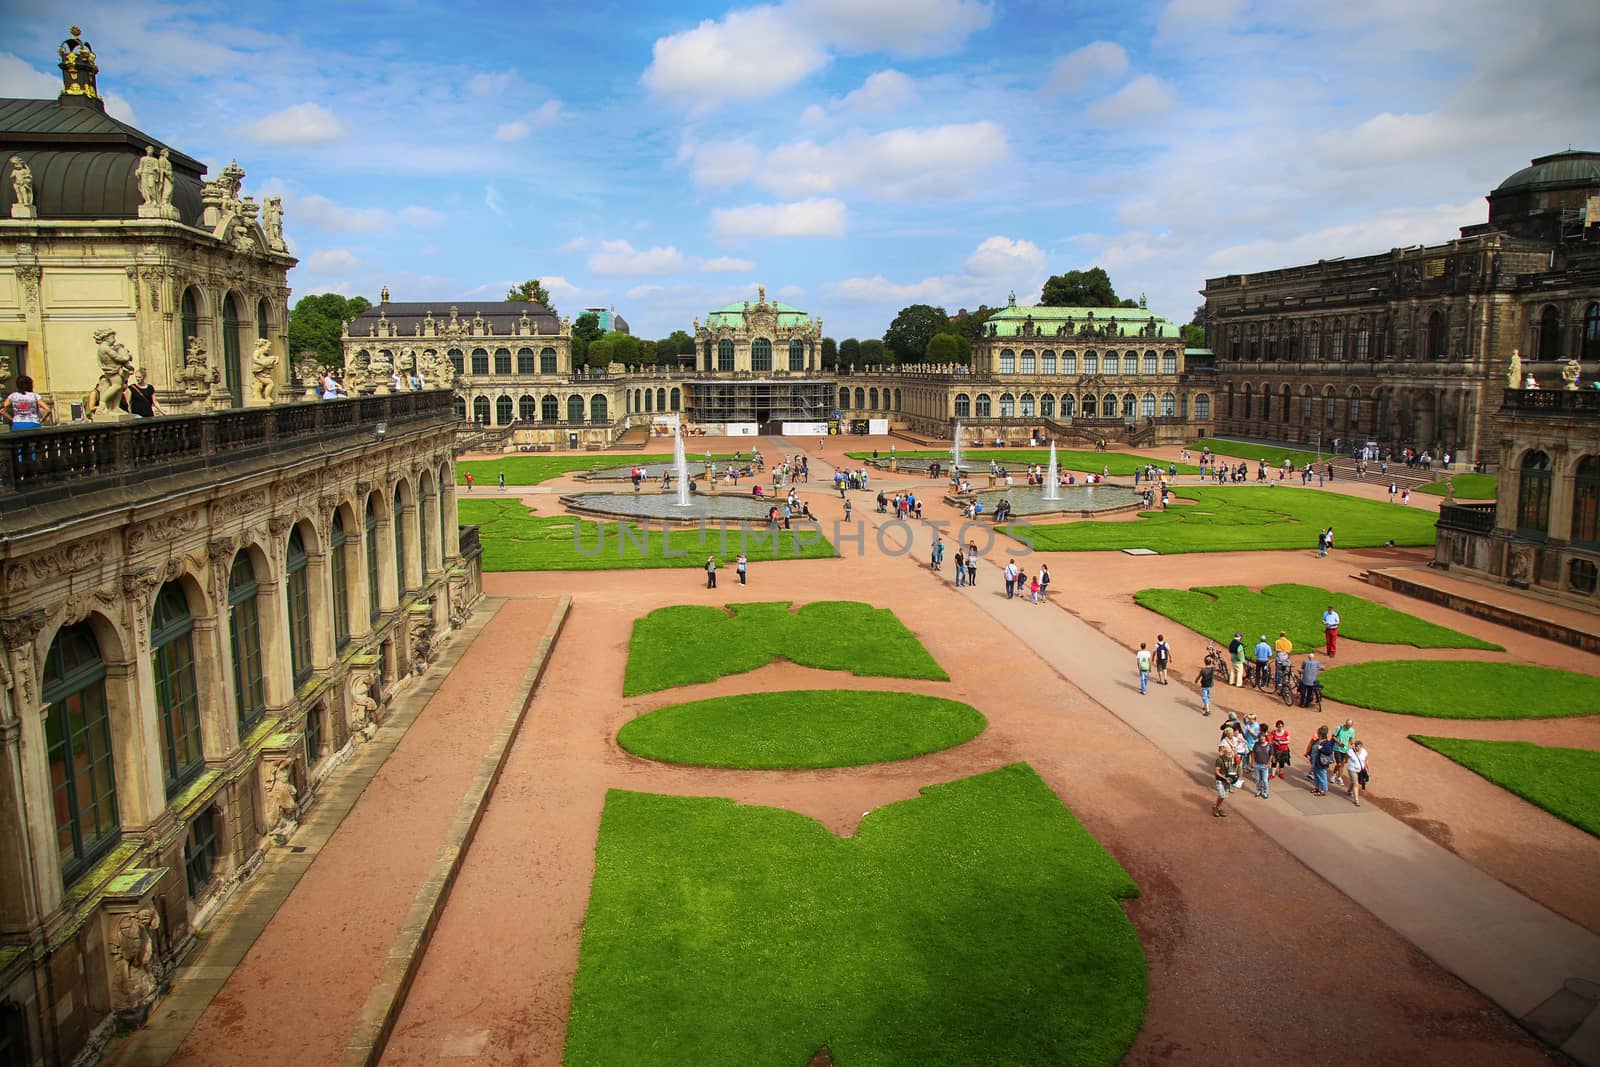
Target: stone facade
1410,348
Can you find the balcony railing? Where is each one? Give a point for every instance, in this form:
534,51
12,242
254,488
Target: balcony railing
75,458
1467,518
1578,402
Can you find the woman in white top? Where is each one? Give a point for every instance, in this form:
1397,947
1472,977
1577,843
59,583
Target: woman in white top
25,409
1356,768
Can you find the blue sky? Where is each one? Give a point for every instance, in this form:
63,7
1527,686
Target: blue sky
854,156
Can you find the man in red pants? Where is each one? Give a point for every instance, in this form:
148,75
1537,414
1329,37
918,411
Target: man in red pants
1330,629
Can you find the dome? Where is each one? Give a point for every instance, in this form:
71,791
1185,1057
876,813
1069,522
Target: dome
732,316
1563,168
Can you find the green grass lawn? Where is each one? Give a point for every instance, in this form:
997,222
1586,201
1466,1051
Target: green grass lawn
977,460
1460,689
532,469
1219,611
978,923
1274,457
1468,487
1246,518
801,729
1563,781
688,644
515,539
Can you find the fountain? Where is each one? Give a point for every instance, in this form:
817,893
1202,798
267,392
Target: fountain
680,465
668,507
1052,477
955,451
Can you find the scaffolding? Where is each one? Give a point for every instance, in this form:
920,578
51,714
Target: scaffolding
759,401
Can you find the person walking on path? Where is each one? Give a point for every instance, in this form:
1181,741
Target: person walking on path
1392,490
1342,736
1261,754
742,567
1322,544
1236,660
1142,658
847,511
1033,588
1044,582
1222,772
1163,658
469,481
711,572
1310,668
1357,767
961,568
1320,753
972,563
1330,629
1011,579
1280,748
938,552
1206,679
503,482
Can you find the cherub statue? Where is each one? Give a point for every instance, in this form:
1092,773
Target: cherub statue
116,367
262,364
196,373
1571,371
21,182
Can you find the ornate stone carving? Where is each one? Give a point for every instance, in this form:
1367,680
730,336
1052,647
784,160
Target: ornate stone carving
197,375
278,525
1514,370
28,275
421,635
262,364
116,367
246,503
166,528
22,206
154,178
136,972
361,707
1571,371
380,370
79,606
272,223
282,800
1520,565
67,559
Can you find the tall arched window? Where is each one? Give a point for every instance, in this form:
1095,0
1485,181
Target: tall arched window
897,400
1025,405
1047,406
525,363
1586,502
1147,406
502,361
1286,402
527,408
244,638
1550,334
1008,361
872,399
480,410
575,408
861,399
761,354
1091,405
1169,362
83,772
230,349
261,318
547,361
339,568
177,694
1069,363
963,406
424,489
1028,361
597,408
1266,401
191,317
724,355
844,399
549,408
480,361
397,519
661,400
1047,362
677,399
503,409
1438,336
797,355
982,411
459,406
1150,362
1091,365
1008,405
1591,333
1112,363
456,361
299,586
1202,406
1069,405
374,594
1352,408
1533,495
1129,405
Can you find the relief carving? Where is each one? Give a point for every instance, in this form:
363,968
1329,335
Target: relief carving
66,560
136,971
362,707
160,530
283,801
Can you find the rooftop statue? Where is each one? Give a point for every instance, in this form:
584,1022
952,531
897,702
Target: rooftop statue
116,367
22,206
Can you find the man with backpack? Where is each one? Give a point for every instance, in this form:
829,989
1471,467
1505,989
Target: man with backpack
1163,658
1236,660
1321,753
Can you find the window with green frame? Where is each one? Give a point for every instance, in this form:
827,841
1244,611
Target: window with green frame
761,354
397,519
313,732
296,564
244,640
340,568
200,851
177,694
422,535
1533,494
374,599
78,739
1586,502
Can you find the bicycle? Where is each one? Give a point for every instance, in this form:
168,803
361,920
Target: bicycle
1290,691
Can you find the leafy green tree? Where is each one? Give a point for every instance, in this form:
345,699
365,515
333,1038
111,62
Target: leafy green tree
970,325
1194,334
849,353
1082,289
532,291
680,343
908,335
873,351
830,353
315,322
585,331
948,348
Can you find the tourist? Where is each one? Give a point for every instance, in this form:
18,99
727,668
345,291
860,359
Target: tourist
1233,737
961,567
1392,489
1033,588
139,397
1280,748
1263,657
1322,543
1320,753
711,572
24,408
1330,538
1261,755
1342,736
1163,658
847,511
503,482
938,552
1222,773
1330,629
1357,766
469,481
1310,668
1011,578
330,386
1405,498
1236,660
1282,647
1044,582
741,566
1142,658
1206,679
972,563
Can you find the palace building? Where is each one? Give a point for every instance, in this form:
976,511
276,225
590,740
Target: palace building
1410,347
200,615
760,364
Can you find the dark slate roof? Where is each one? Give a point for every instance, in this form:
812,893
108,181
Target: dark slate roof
1572,167
502,315
83,161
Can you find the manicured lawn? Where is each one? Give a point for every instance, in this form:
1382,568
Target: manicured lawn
979,923
1458,689
1468,486
801,729
1255,453
1563,781
688,644
531,470
1220,611
1247,518
515,539
976,460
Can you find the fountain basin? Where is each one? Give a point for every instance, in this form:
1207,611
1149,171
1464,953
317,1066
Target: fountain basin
664,507
1078,501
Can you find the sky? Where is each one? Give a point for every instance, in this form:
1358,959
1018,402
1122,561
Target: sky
853,156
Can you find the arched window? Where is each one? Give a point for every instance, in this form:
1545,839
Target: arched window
1047,362
190,313
525,363
374,594
1286,403
1091,365
844,399
455,361
872,399
83,771
459,406
1069,405
1008,361
963,406
244,640
1026,405
549,408
1591,333
1028,361
1202,407
547,361
1586,502
575,408
982,411
177,693
1112,363
897,400
1129,405
424,489
1047,406
1550,334
299,586
724,355
1169,362
676,399
502,361
861,399
1305,403
230,349
480,361
1069,363
797,355
1533,495
1438,336
1091,405
661,401
761,354
503,410
527,408
1169,404
339,568
397,520
480,410
1327,404
1008,405
597,408
1352,408
1266,401
261,318
1150,362
1147,406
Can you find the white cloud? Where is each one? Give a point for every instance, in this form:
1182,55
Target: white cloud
417,215
20,81
1365,236
620,259
813,115
493,200
1084,67
300,124
791,293
900,27
498,82
518,129
887,90
996,265
725,263
721,164
515,130
904,164
330,260
1146,97
746,55
558,287
806,218
325,214
642,292
1181,20
1003,257
577,244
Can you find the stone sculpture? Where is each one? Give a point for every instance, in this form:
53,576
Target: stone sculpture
197,375
133,950
1514,370
22,186
421,641
154,178
1571,371
272,223
380,369
283,801
116,367
262,364
362,708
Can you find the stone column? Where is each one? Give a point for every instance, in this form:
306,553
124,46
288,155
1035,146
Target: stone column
1562,484
26,778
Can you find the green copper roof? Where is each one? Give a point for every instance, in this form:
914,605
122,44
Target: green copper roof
1562,168
1008,321
732,315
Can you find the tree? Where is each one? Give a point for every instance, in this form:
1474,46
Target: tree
1082,289
1194,334
584,331
849,352
315,323
532,291
908,335
948,348
678,343
872,352
830,353
970,325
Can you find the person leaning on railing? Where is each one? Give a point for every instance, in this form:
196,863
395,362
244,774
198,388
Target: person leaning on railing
25,409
